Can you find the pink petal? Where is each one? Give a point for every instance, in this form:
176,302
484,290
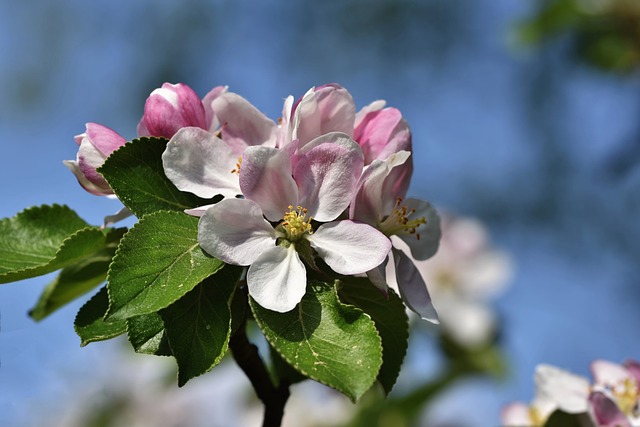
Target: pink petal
412,287
170,108
197,161
104,139
265,178
350,248
633,367
241,122
328,108
605,412
277,280
382,133
234,231
327,175
365,111
372,202
212,122
98,190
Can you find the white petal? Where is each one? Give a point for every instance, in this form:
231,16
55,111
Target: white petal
241,122
377,276
199,211
607,373
412,288
118,216
197,161
516,414
234,231
424,242
277,279
568,391
349,247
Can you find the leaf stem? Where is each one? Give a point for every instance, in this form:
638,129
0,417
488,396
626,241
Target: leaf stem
273,397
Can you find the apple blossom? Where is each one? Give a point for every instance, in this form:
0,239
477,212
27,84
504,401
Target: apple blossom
380,202
170,108
321,185
462,276
96,144
613,400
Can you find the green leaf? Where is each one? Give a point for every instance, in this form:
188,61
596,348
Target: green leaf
158,261
199,326
89,323
136,175
78,278
147,335
390,317
43,239
328,341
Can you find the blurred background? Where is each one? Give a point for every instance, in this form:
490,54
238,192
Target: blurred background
526,131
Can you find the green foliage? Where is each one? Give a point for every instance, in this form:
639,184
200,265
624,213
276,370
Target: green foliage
391,322
605,35
199,326
328,341
158,261
90,325
43,239
135,174
79,278
147,335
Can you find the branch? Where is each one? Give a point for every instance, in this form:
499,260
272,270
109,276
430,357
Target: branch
247,357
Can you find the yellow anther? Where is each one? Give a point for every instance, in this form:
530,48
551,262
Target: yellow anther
296,223
237,168
627,394
399,221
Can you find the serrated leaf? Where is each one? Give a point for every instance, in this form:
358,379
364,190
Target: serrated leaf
89,323
199,326
328,341
390,317
158,261
78,278
43,239
136,175
147,335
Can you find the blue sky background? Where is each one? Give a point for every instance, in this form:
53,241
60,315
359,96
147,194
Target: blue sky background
543,149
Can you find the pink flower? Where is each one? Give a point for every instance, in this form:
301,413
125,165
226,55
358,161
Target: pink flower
321,184
380,202
175,106
96,144
170,108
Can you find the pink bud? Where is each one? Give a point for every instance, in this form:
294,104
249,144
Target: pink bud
96,144
170,108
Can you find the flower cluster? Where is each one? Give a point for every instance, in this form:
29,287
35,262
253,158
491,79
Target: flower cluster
613,400
324,186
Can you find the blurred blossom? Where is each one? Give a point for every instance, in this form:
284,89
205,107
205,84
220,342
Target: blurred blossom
612,400
135,391
463,276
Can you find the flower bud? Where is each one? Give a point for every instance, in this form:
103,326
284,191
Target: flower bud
169,109
96,144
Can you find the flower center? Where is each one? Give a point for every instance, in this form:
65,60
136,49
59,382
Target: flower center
236,170
400,221
627,394
536,417
296,224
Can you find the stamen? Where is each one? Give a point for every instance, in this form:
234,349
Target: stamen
398,221
237,168
296,223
